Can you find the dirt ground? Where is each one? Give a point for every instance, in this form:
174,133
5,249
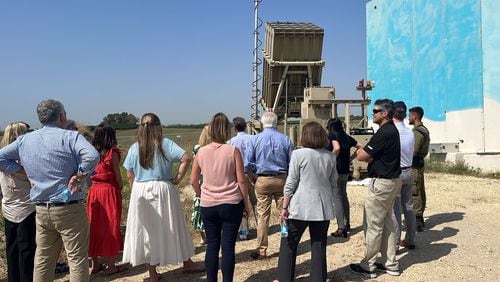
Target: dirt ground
458,244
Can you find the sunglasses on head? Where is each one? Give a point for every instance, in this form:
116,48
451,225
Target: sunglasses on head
376,111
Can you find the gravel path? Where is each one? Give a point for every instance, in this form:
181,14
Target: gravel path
461,223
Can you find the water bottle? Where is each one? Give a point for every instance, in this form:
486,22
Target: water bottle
62,197
244,229
283,229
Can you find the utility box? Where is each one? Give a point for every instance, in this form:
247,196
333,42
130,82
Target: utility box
317,103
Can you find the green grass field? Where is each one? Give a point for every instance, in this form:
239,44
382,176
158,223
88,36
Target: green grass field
184,137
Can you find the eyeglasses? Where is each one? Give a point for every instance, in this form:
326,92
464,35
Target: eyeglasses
376,111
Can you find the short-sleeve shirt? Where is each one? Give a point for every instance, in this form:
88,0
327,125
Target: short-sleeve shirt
343,159
220,183
385,149
162,167
16,204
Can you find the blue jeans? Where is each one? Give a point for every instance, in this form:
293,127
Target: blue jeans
221,228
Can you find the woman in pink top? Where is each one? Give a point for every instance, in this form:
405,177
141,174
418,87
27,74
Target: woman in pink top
224,196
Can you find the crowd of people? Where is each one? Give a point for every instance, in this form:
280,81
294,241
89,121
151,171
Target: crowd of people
44,175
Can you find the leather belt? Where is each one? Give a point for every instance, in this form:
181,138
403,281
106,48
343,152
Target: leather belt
383,177
269,174
58,204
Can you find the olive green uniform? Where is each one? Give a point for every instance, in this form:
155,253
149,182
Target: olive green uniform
422,140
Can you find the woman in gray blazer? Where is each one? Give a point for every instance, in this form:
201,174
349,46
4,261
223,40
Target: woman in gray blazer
308,202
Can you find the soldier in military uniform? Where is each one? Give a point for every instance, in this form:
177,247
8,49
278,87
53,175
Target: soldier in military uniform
421,150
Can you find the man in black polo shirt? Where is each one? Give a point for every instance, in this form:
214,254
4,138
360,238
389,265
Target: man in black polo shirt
383,153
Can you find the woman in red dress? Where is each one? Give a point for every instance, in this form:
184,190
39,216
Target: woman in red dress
104,202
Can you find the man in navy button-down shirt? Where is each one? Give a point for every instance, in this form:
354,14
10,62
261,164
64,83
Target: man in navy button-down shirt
55,160
266,162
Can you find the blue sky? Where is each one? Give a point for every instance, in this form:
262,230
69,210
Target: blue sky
184,60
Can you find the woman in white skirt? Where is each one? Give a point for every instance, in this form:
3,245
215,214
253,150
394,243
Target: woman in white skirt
156,231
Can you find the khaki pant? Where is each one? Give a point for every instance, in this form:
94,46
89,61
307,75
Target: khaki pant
56,226
418,191
253,199
380,235
267,188
251,191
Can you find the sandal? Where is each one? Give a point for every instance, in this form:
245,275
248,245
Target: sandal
118,269
100,267
197,267
340,233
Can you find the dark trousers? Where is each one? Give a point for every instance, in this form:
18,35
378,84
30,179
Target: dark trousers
20,247
288,249
221,228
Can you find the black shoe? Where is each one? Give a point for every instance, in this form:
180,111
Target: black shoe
357,269
420,227
257,256
420,224
380,267
348,227
407,245
340,233
61,268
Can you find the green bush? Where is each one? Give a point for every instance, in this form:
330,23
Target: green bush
459,167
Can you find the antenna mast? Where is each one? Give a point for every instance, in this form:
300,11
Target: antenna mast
256,93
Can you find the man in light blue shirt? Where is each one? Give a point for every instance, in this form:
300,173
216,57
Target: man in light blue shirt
266,162
241,141
55,160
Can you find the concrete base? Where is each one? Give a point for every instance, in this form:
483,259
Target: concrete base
485,162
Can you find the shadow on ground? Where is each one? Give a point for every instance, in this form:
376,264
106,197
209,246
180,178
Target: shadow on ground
427,250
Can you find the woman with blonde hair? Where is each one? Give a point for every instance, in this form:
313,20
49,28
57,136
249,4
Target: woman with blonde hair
156,232
75,126
19,215
224,196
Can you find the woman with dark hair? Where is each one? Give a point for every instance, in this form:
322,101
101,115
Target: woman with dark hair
104,202
156,229
223,194
340,144
18,214
308,202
